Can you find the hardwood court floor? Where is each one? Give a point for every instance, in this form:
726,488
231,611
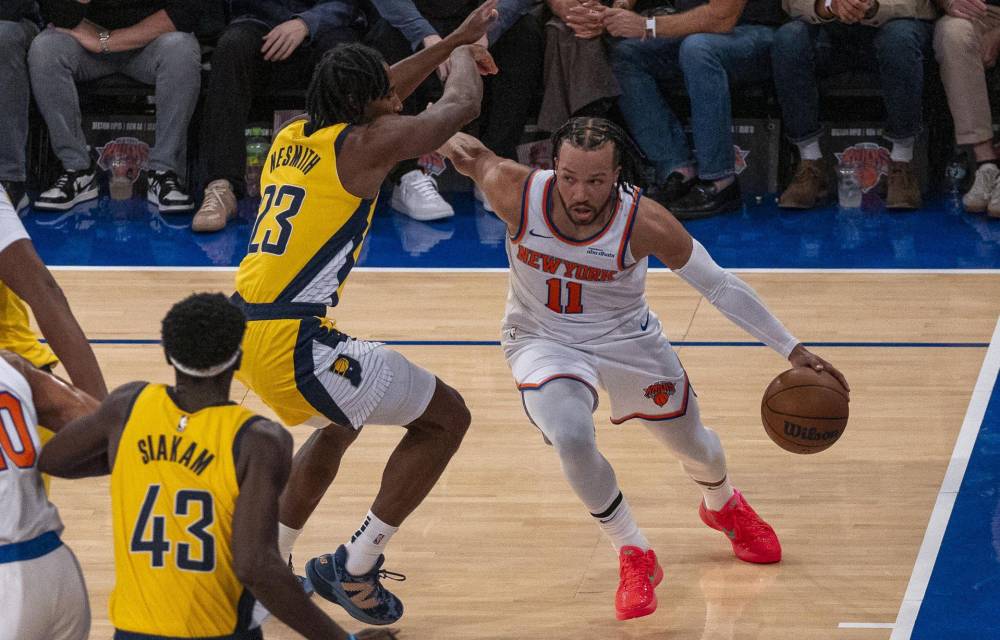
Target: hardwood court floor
502,548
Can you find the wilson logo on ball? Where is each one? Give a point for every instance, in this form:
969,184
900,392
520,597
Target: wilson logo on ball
802,433
660,392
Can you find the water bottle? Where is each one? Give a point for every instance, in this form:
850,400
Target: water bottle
954,175
258,144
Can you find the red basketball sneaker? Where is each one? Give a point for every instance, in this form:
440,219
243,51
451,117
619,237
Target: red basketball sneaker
753,539
639,574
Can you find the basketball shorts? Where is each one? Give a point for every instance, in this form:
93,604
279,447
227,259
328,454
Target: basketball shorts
307,371
636,365
44,598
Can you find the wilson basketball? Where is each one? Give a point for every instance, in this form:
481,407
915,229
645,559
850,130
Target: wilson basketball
804,410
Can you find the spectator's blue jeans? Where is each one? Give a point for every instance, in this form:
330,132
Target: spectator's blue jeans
801,52
707,63
172,62
14,97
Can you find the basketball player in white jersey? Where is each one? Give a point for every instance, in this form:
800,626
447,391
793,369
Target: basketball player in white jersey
577,318
42,593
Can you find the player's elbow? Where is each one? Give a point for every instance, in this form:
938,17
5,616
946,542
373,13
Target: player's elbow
251,566
470,107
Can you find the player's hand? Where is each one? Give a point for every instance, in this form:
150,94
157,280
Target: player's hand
849,11
969,9
476,24
458,145
281,41
485,63
85,34
377,634
991,47
586,20
802,357
623,23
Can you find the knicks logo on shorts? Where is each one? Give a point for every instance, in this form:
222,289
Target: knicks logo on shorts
348,368
660,392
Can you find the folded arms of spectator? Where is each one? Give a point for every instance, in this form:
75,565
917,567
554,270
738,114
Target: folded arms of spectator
859,11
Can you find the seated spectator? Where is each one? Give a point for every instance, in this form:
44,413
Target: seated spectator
147,40
268,44
18,25
966,42
893,36
515,42
578,76
708,46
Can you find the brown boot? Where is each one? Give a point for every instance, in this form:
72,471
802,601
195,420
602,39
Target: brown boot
808,187
904,190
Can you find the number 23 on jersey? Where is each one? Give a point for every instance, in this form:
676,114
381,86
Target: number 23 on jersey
273,228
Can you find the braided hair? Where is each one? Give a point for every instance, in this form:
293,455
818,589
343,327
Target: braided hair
593,133
347,78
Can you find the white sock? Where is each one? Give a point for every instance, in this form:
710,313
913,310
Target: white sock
809,150
902,150
618,524
286,540
367,544
716,494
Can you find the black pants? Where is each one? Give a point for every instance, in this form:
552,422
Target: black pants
239,72
509,98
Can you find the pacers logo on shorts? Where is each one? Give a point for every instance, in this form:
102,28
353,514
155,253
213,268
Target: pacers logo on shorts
660,392
347,368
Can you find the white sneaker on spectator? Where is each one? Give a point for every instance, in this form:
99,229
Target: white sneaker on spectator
481,197
417,196
217,207
981,195
993,208
69,189
164,190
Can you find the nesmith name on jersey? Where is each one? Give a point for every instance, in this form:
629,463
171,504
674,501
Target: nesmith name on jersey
174,450
295,155
553,265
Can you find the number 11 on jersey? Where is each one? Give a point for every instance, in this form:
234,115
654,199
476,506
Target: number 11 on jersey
574,296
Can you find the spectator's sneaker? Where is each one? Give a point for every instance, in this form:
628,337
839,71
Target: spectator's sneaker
69,189
673,189
639,573
808,188
977,200
993,208
904,190
705,199
481,198
417,196
753,539
363,597
260,612
164,190
217,207
17,195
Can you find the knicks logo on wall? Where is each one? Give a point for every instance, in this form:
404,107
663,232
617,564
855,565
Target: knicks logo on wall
740,156
873,158
660,392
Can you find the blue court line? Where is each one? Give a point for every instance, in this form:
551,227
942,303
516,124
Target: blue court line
681,343
963,594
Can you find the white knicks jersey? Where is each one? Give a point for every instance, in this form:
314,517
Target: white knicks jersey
27,512
572,291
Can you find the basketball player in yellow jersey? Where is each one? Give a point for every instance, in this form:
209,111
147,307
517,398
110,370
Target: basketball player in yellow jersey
195,481
23,278
319,186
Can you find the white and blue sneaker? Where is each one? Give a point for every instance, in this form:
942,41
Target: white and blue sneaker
363,597
69,189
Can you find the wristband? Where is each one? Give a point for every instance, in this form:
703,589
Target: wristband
650,28
104,37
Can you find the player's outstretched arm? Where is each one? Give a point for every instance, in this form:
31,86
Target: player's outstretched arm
23,271
263,462
658,233
86,446
410,72
500,179
56,402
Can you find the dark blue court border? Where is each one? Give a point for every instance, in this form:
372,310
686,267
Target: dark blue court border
962,600
682,343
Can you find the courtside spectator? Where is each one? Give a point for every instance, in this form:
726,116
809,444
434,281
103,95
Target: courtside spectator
147,40
966,42
708,46
270,44
578,76
515,42
18,25
892,36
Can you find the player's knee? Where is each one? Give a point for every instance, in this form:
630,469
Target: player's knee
447,416
574,443
459,416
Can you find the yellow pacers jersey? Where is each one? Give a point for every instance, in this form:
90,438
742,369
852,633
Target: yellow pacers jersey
309,229
16,334
173,493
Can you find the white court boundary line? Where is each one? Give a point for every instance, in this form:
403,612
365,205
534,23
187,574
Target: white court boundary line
934,534
866,625
992,272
